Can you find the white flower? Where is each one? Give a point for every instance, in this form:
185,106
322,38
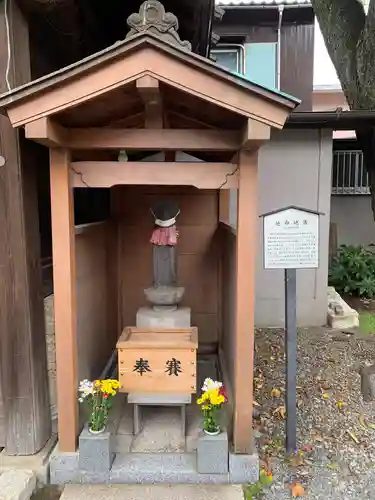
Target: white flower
85,388
209,385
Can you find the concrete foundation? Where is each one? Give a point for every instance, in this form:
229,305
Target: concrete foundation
243,469
149,318
38,463
139,492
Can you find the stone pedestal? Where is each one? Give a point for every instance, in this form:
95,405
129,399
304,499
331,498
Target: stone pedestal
95,451
212,453
148,317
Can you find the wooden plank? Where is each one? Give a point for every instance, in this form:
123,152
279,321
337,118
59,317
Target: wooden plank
46,132
153,139
23,371
64,274
51,134
199,174
148,88
156,376
246,250
255,134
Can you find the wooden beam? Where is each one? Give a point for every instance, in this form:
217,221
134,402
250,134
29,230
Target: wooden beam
255,134
154,139
23,363
51,134
46,132
247,245
148,88
200,174
64,277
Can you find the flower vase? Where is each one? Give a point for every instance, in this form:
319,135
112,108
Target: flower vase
100,431
212,433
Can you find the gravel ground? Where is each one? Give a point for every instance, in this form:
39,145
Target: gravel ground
336,428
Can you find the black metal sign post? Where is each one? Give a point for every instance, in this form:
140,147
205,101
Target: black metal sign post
291,359
291,242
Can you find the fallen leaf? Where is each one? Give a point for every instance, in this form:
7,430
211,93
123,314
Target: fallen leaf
370,425
275,393
353,436
307,448
333,466
272,358
318,437
280,412
362,421
325,395
340,405
296,461
297,489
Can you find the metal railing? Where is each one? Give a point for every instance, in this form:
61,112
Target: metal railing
349,175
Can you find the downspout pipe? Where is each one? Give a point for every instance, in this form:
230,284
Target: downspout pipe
278,63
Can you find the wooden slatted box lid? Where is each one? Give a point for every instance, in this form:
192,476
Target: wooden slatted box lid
163,338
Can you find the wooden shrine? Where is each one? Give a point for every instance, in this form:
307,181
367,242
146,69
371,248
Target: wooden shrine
148,94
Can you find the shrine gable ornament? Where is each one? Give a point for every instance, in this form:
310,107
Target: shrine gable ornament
153,19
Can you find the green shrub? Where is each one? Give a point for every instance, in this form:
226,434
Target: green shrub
352,271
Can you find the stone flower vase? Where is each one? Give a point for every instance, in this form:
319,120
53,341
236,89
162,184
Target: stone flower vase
100,431
212,433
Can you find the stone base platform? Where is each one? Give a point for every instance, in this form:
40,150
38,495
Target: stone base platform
152,468
138,492
147,317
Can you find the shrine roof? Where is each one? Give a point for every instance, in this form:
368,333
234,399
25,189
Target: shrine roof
65,89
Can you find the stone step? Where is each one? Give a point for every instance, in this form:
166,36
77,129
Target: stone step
154,492
174,468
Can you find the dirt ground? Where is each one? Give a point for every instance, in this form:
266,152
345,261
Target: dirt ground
335,458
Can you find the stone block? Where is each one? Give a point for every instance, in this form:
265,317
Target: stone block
38,463
340,315
368,382
212,453
148,318
95,451
17,485
243,469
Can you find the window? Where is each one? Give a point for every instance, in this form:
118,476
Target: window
230,57
349,175
257,61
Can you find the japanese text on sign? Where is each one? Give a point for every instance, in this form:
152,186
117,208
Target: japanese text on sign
291,240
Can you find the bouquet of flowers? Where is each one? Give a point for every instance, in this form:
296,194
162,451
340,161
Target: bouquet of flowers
97,395
212,398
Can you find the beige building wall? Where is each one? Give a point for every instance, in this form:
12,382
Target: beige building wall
294,169
354,219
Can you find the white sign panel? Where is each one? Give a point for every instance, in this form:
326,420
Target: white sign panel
291,240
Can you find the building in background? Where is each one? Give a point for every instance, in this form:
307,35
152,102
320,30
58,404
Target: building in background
272,43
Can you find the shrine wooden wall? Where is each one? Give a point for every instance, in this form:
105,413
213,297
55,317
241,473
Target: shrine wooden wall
228,269
198,252
96,298
2,419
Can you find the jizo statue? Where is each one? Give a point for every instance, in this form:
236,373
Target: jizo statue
164,240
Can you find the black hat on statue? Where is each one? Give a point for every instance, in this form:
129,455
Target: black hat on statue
165,212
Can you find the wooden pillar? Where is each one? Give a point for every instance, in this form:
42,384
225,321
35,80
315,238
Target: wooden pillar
247,220
64,277
23,365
